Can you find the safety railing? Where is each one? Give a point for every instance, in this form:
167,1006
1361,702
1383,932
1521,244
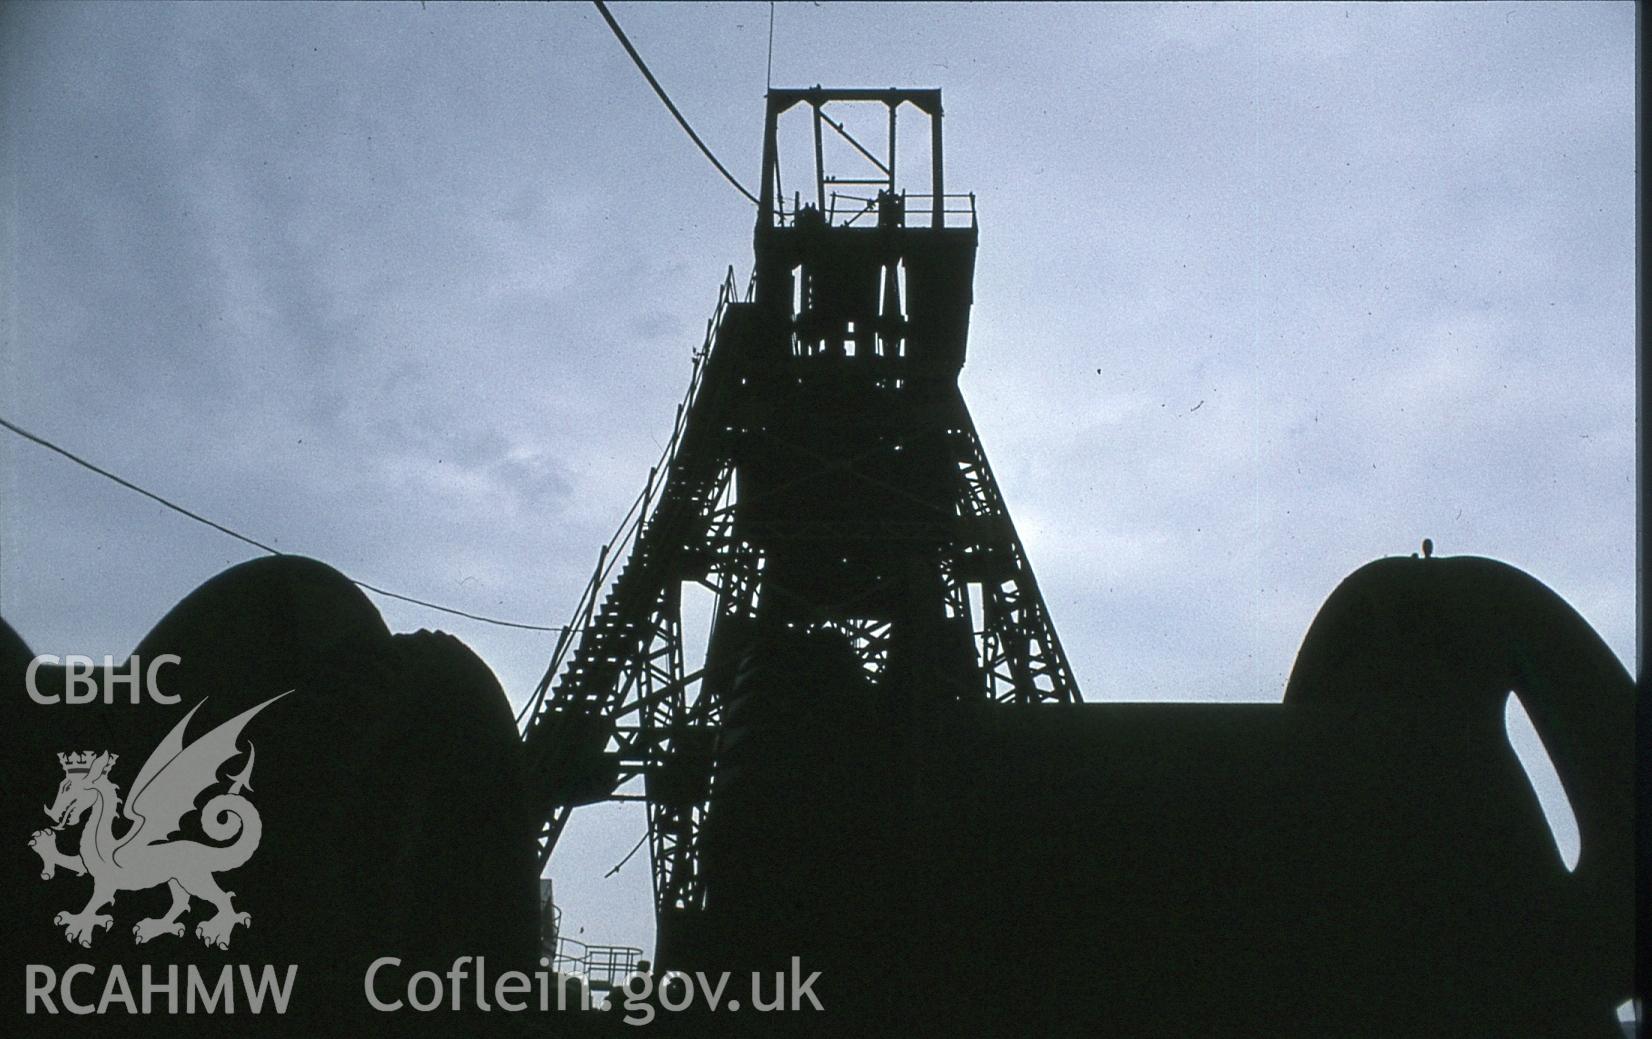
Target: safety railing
602,966
852,210
625,537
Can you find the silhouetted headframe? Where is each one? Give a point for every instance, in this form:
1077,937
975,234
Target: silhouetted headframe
825,481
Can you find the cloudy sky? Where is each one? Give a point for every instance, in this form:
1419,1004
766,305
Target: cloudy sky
1263,293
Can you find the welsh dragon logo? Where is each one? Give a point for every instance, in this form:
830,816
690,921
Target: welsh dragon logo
144,854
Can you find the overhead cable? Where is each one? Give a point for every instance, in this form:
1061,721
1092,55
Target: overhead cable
643,68
198,518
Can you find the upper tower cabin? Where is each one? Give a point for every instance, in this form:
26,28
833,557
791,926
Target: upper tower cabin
869,265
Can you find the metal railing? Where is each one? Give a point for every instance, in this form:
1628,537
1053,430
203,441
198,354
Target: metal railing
636,517
849,210
602,966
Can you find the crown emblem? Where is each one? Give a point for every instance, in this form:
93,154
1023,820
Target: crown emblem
79,762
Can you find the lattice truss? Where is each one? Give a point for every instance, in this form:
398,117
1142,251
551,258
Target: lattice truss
841,355
619,703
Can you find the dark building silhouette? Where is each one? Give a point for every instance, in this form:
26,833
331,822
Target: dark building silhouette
389,784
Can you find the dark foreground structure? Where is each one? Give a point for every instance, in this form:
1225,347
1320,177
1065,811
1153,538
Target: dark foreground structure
388,784
1367,858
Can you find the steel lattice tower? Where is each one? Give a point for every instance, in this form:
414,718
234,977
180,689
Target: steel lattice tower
823,477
